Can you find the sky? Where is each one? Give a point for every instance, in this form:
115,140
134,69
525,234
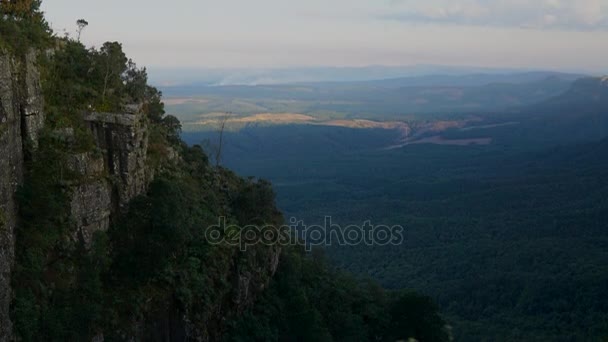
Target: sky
544,34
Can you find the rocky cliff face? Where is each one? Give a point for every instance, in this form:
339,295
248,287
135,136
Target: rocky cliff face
112,175
21,118
103,179
109,178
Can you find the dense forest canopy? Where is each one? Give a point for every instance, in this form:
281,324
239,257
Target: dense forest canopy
508,238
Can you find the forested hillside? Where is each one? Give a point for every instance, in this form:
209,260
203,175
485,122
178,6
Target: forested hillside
509,239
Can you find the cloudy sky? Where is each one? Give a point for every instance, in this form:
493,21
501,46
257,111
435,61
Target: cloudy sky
548,34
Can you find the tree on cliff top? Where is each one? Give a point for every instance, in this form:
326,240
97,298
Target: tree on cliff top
82,24
113,64
22,25
20,8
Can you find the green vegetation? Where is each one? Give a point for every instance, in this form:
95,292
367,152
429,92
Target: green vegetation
77,79
22,25
308,301
42,244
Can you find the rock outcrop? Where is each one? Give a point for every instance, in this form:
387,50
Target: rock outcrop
123,139
112,175
21,118
109,177
102,179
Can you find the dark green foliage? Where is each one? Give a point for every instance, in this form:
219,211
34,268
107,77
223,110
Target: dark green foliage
162,264
510,243
22,26
173,128
80,79
159,225
196,159
154,106
69,84
111,64
136,82
415,315
57,284
307,301
252,205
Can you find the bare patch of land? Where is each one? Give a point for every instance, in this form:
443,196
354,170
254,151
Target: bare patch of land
439,140
411,133
273,118
179,101
470,128
365,124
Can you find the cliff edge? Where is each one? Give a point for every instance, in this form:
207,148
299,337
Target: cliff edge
21,119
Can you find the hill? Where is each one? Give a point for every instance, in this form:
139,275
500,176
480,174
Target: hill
578,114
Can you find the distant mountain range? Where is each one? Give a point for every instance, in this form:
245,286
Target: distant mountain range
387,98
469,80
421,73
578,114
586,94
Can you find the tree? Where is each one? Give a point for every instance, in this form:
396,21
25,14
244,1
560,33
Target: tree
220,145
214,149
416,316
153,104
22,25
113,63
81,23
19,8
174,128
136,82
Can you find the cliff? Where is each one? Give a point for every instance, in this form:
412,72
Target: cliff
113,174
21,118
121,146
93,168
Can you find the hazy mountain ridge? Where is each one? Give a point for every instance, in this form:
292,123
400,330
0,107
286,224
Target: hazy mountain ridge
384,100
579,114
256,76
585,94
466,80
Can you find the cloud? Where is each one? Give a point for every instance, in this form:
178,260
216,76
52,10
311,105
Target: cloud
538,14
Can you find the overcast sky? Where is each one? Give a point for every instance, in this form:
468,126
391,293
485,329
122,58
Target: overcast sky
548,34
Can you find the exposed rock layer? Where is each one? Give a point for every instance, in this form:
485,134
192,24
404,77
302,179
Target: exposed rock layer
21,118
107,178
111,177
